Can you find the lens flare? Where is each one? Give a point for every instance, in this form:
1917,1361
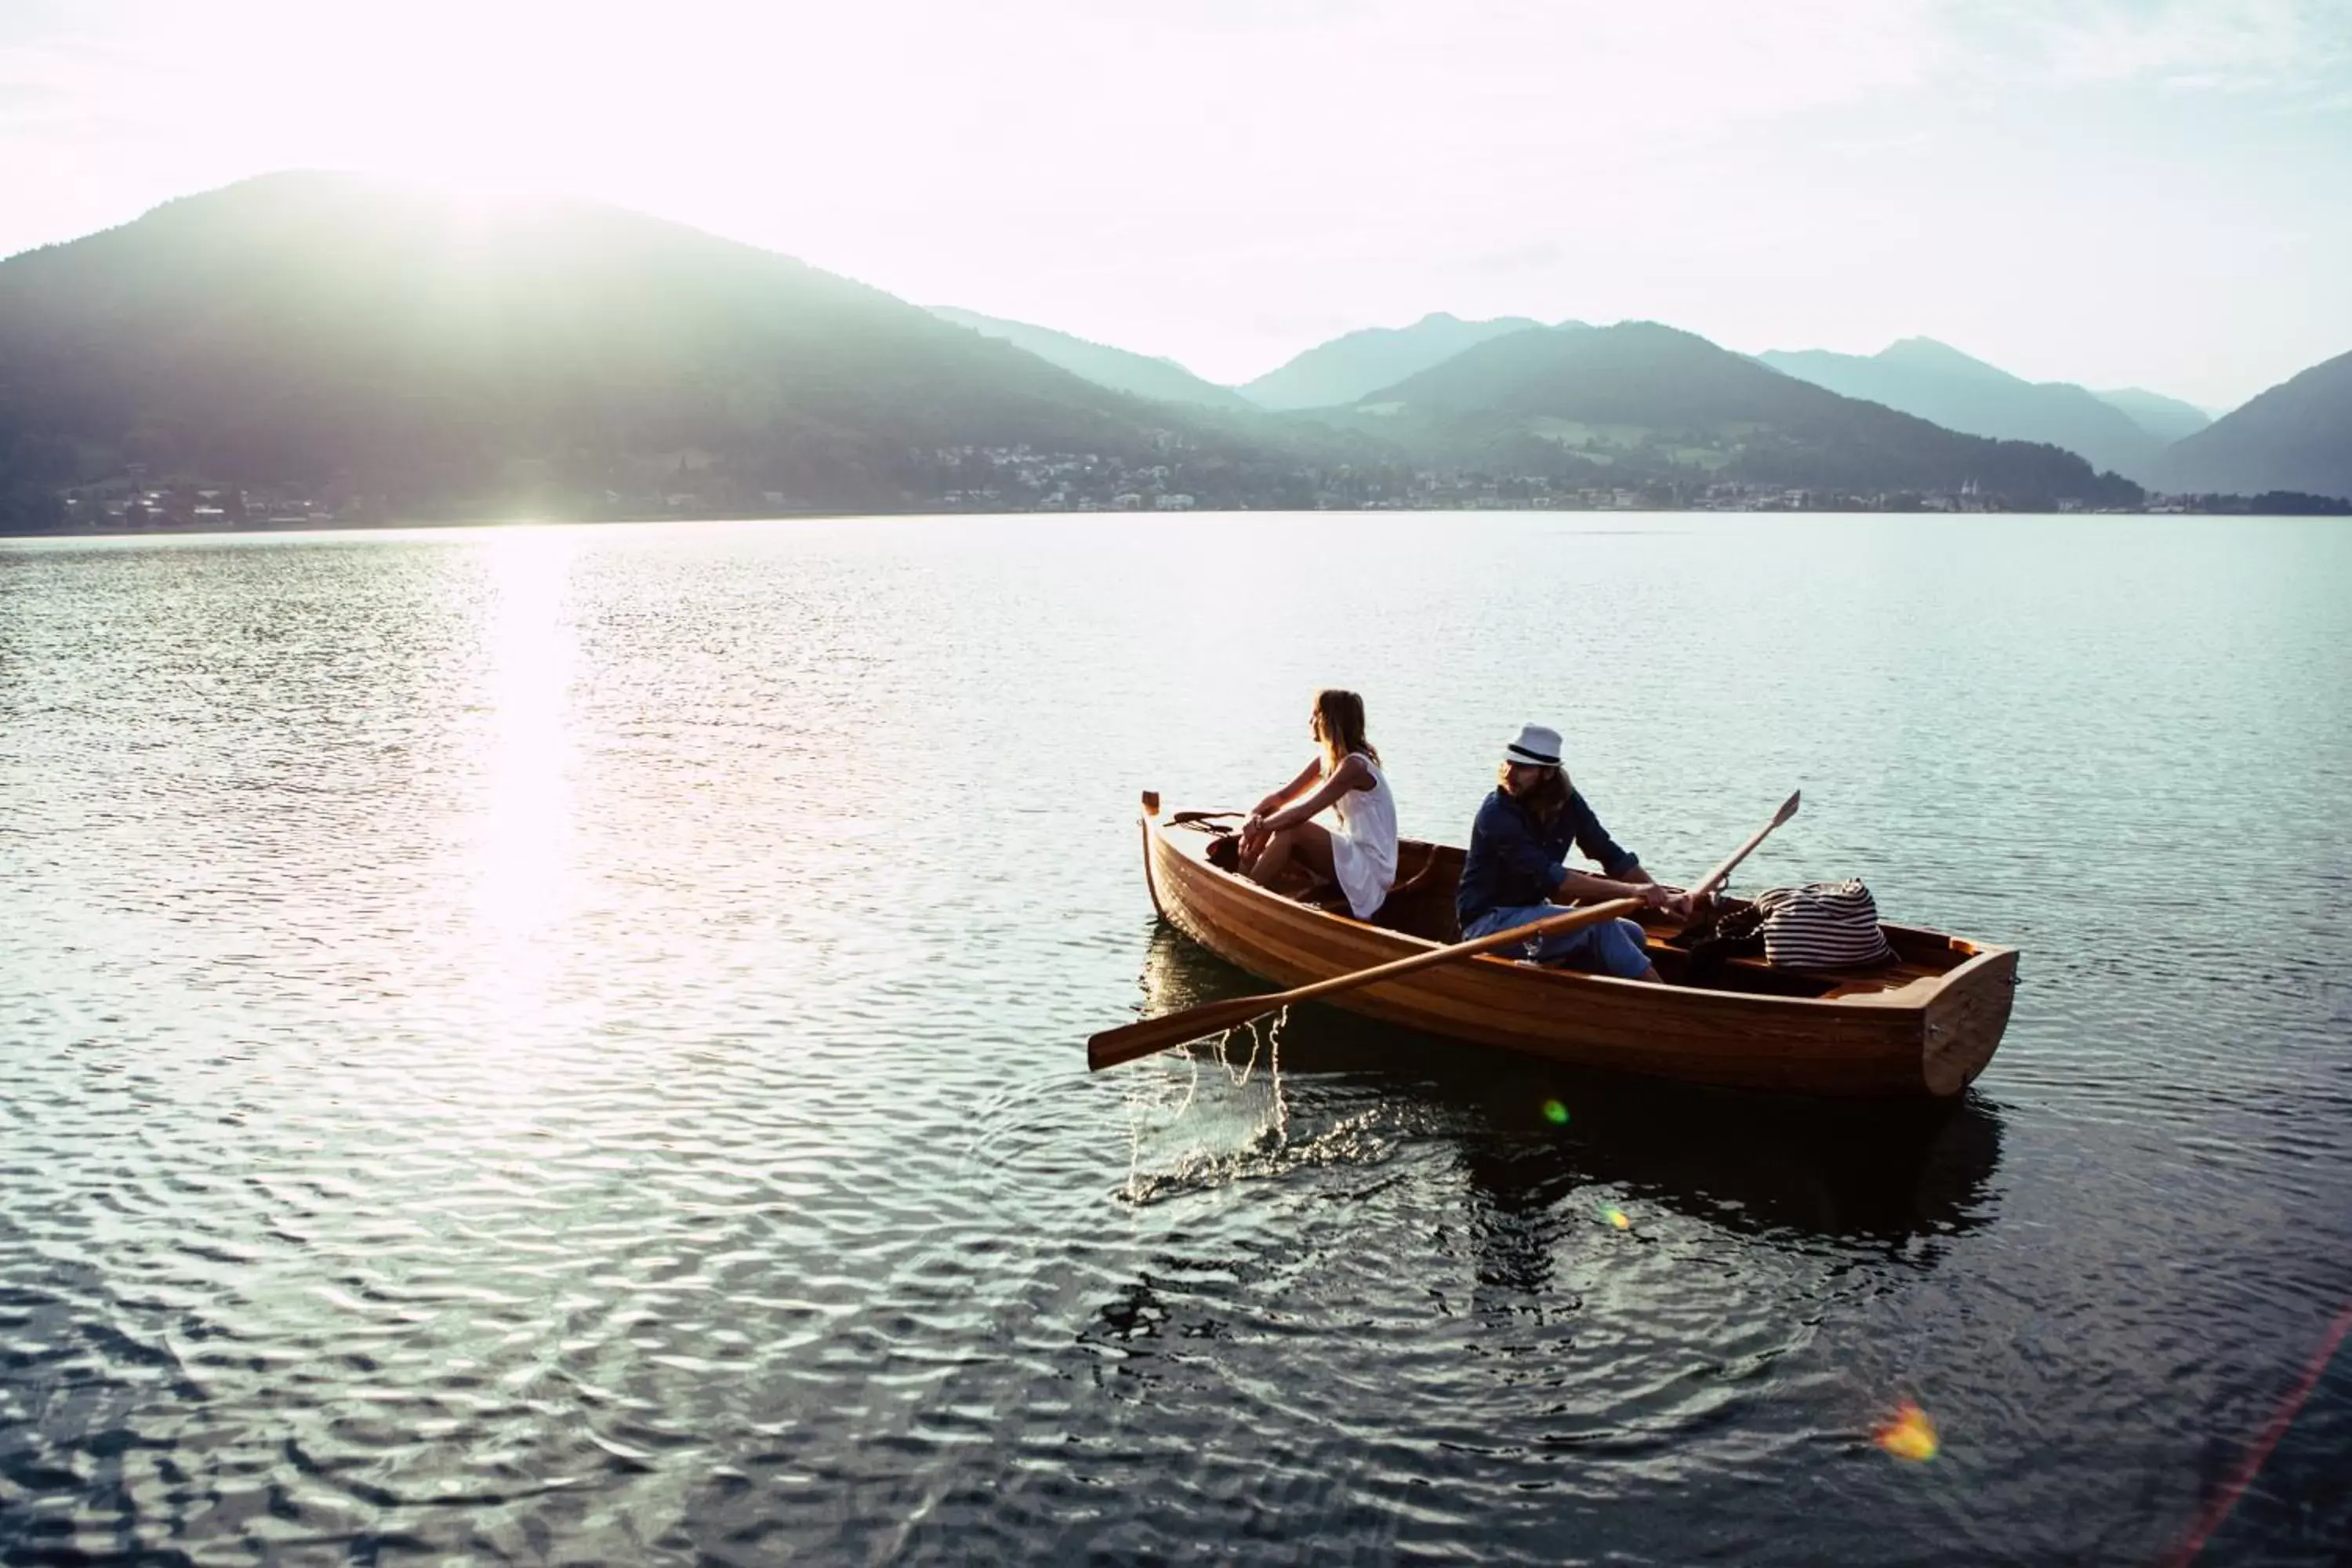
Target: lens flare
1910,1435
1556,1113
1617,1218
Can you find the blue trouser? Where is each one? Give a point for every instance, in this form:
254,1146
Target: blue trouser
1613,947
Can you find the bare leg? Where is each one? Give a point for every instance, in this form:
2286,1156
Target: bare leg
1309,843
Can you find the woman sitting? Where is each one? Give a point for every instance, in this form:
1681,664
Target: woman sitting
1359,852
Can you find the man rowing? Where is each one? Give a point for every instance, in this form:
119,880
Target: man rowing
1516,870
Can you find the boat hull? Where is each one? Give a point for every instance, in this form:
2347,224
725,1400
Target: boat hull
1928,1037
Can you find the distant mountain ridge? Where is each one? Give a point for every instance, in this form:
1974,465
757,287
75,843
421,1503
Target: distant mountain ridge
1122,370
2296,436
308,324
2168,419
1346,369
428,355
1941,385
1644,400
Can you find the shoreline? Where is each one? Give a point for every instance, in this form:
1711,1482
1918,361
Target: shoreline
412,525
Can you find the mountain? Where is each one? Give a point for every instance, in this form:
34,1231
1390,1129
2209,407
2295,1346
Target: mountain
1347,368
455,355
1947,387
1122,370
2296,436
1646,401
2167,419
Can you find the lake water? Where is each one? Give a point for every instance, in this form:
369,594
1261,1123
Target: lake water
567,1045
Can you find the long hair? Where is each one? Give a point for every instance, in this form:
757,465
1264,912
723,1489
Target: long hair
1342,714
1547,799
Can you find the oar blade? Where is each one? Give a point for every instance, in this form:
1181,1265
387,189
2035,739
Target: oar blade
1788,808
1129,1041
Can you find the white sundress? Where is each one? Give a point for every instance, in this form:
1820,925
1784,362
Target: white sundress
1364,844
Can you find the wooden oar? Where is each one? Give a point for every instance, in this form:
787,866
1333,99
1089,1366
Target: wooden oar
1128,1041
1716,878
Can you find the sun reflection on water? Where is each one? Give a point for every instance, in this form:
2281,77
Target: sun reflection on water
524,876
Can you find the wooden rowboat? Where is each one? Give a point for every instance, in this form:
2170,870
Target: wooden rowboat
1923,1024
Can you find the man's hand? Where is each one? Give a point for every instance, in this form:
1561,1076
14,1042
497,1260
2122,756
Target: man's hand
1673,901
1691,908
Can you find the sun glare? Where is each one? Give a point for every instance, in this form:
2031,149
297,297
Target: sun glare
523,855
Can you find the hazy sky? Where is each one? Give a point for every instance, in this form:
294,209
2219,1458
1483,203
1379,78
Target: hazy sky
2115,194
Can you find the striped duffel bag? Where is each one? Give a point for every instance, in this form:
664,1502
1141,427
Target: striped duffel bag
1822,925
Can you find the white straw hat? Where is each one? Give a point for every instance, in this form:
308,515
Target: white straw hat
1534,747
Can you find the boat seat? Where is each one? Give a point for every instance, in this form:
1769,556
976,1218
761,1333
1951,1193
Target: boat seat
1422,903
1878,979
1882,979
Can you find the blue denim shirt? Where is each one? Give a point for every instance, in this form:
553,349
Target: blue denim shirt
1513,863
